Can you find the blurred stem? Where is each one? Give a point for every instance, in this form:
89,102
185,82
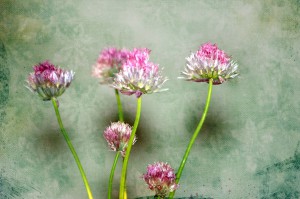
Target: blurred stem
187,152
65,134
120,109
130,142
111,177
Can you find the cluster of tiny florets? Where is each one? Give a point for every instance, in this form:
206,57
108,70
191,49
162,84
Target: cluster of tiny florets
160,178
49,81
110,62
117,136
138,75
209,62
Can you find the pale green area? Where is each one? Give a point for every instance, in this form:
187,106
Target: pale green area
249,145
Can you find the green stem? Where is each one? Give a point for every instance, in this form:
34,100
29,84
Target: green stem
187,152
120,109
125,163
111,177
65,134
112,172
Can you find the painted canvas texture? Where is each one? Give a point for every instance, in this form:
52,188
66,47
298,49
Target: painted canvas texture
249,146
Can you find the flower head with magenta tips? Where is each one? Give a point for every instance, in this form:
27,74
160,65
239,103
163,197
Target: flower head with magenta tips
160,178
138,75
117,136
110,62
49,81
209,62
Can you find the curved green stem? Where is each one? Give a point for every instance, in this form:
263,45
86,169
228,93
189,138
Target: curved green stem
120,109
111,177
125,163
112,172
187,152
65,134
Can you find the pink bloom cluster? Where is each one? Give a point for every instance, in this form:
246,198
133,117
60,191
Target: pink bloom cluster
110,62
209,62
49,81
160,178
139,58
210,51
117,136
138,75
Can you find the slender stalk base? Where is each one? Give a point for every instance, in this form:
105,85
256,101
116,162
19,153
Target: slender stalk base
125,163
65,134
112,172
111,177
187,152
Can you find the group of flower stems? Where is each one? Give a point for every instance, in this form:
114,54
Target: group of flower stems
123,194
131,73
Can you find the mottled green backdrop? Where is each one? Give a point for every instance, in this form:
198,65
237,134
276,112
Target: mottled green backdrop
249,146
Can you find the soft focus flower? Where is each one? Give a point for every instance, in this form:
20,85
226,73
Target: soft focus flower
138,75
49,81
209,62
160,178
117,136
110,62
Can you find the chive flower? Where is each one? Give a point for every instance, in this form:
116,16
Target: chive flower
110,62
49,81
209,62
138,75
117,136
160,177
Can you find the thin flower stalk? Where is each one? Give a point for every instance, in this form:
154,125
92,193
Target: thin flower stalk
113,168
122,192
120,108
111,176
187,152
65,134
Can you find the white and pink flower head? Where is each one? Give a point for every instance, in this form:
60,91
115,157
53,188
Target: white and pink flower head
209,62
117,136
49,81
138,75
160,178
110,62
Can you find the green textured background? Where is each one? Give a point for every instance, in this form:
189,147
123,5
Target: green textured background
249,146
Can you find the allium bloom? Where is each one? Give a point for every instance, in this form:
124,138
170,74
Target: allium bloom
160,178
110,62
139,75
117,136
49,81
209,62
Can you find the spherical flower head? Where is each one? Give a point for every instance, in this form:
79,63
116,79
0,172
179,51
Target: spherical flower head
209,62
138,75
160,178
110,62
117,136
49,81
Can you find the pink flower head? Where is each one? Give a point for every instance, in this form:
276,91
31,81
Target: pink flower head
110,62
139,75
160,178
49,81
117,136
209,62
